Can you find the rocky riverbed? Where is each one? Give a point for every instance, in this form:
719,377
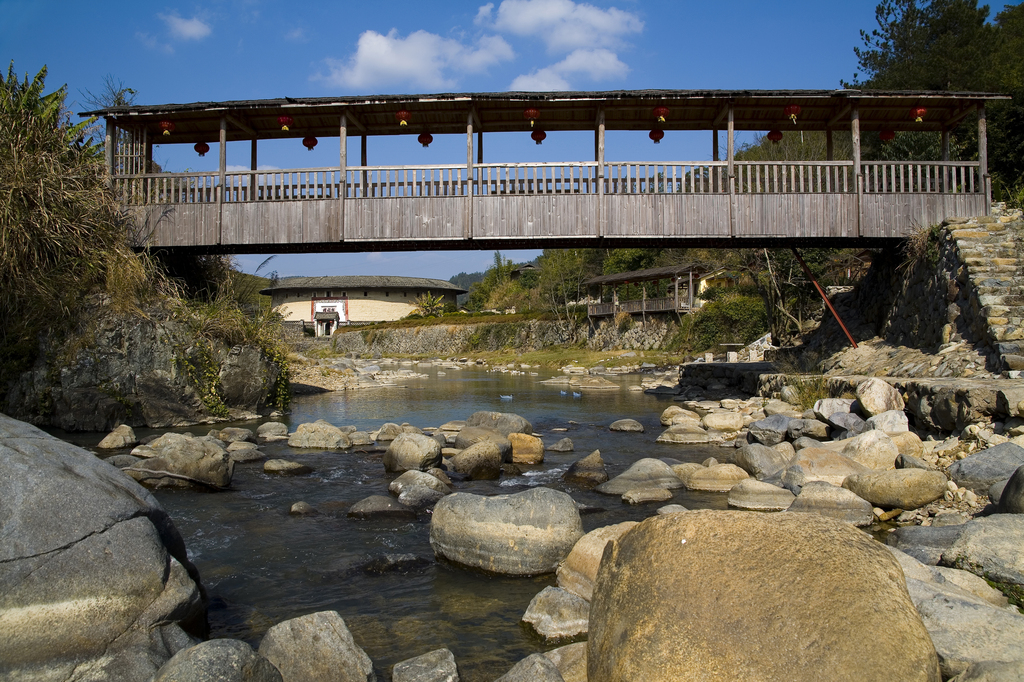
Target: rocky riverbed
799,483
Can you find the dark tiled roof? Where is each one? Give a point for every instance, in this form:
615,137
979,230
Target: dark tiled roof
362,282
651,274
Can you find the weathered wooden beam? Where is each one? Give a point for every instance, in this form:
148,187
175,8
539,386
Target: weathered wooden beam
720,118
223,149
983,175
468,228
355,122
241,125
109,148
855,139
954,120
840,116
599,228
343,177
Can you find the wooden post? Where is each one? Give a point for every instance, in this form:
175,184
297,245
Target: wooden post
675,280
830,149
362,162
689,292
147,164
223,149
109,145
599,157
468,230
945,144
986,181
730,151
857,179
480,146
343,177
714,157
253,190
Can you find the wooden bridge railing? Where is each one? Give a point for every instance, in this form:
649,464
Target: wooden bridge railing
650,305
950,177
501,179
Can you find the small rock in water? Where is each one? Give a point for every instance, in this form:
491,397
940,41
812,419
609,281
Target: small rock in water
564,445
303,509
395,563
535,668
644,495
227,660
284,467
380,507
121,437
672,509
317,646
435,666
557,614
627,425
586,472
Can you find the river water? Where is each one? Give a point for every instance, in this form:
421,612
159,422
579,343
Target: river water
261,566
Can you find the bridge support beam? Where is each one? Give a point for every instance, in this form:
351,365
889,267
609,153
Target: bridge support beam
986,181
343,177
828,304
223,153
857,179
599,154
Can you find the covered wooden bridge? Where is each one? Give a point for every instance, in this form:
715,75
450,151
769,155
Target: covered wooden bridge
491,204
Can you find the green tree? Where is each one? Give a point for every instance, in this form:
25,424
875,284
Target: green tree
429,305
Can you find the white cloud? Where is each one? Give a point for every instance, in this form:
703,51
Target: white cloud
563,25
296,35
152,43
483,15
595,65
420,59
185,29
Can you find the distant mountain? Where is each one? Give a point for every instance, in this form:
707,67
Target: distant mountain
465,280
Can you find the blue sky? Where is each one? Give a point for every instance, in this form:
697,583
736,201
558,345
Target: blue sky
250,49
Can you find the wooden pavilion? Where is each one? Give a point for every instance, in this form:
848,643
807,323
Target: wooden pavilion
491,204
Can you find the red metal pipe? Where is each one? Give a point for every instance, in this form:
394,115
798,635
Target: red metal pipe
807,271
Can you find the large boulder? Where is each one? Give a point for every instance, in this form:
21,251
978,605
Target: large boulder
410,451
684,434
674,414
180,460
526,449
579,570
807,428
121,437
898,489
644,473
93,574
820,464
502,422
320,435
219,660
826,407
760,496
967,629
723,421
571,661
526,533
414,478
832,501
875,396
893,421
586,472
770,430
474,434
1011,497
992,547
982,469
925,543
718,478
700,595
627,425
533,668
873,449
480,461
761,461
315,647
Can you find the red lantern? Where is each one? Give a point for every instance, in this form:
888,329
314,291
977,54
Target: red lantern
309,142
284,122
887,135
661,112
167,127
917,113
425,139
775,135
538,136
532,115
656,135
792,111
201,148
403,117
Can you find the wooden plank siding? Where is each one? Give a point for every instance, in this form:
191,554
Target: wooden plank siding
896,215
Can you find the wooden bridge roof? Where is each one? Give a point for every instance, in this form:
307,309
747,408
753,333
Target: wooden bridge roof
650,274
559,111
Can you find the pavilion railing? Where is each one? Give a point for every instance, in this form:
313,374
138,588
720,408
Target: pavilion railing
795,177
649,305
492,179
505,179
894,177
375,182
666,178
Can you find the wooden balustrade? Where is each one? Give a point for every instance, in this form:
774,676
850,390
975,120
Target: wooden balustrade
794,177
376,182
503,179
661,178
895,177
534,178
650,305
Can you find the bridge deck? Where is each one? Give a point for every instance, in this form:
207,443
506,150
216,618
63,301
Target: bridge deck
372,207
